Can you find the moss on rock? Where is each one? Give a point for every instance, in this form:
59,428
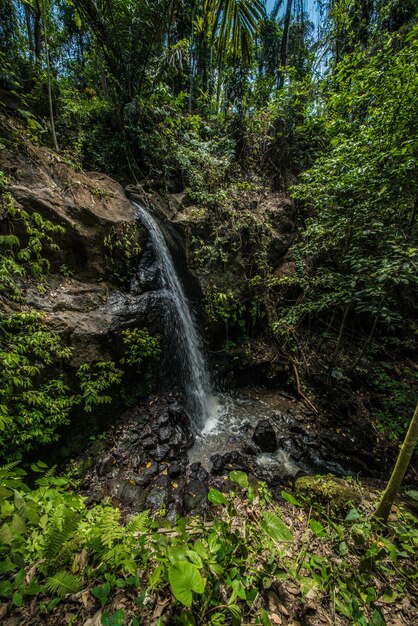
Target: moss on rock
336,494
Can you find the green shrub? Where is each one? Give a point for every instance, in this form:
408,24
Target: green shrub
122,250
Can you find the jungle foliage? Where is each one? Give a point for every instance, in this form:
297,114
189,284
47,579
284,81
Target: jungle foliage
216,572
225,100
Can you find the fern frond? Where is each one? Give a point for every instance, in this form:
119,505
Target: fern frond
8,466
138,523
62,529
109,528
50,472
6,470
62,583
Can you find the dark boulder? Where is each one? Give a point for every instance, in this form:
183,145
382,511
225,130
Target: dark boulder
265,436
198,472
161,452
195,497
174,470
217,464
156,495
105,466
144,476
164,434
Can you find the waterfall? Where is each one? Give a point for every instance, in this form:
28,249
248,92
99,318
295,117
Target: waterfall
193,372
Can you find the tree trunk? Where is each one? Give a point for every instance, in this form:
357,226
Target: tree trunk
30,34
102,72
369,338
37,31
284,43
339,340
395,481
48,68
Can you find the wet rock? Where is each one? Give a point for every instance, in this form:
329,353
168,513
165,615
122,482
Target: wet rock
148,276
236,460
177,437
174,470
95,497
176,412
195,497
217,464
114,487
325,465
245,426
149,443
161,452
163,419
198,472
131,496
251,448
105,466
144,476
164,435
118,454
175,509
282,418
175,499
135,459
147,431
156,495
132,438
265,436
295,428
293,446
182,439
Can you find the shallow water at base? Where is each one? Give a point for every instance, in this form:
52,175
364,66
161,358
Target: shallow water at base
230,418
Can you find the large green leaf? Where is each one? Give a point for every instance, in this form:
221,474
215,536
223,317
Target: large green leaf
317,528
275,528
216,497
288,496
184,578
240,478
5,493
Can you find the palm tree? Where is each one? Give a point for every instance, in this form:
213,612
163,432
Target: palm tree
285,37
232,26
236,24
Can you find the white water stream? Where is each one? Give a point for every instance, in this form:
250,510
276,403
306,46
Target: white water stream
194,376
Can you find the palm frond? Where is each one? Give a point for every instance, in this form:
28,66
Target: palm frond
275,10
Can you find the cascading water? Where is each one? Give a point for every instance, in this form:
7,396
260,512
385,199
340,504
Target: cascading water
220,421
193,374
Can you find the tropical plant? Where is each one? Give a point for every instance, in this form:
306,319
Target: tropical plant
208,572
235,24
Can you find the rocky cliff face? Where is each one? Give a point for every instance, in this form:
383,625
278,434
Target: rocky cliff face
90,206
87,298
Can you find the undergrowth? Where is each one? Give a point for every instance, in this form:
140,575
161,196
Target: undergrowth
197,571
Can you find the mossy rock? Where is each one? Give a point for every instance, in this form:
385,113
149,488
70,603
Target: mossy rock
335,494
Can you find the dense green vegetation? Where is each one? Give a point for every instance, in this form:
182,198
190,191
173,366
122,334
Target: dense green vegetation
243,105
216,570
